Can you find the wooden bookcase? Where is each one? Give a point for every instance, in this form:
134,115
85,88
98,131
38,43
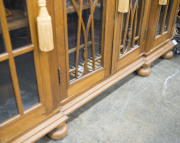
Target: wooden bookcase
95,47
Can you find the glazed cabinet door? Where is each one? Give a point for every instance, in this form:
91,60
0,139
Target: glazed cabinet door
161,24
22,100
129,33
87,45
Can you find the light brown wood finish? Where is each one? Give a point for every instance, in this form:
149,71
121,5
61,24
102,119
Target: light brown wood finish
168,55
127,51
105,48
13,128
59,132
11,59
59,99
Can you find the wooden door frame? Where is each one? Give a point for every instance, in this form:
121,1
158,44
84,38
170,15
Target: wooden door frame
62,50
136,54
12,128
152,40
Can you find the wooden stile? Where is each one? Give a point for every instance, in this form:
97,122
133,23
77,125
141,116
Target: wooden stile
123,6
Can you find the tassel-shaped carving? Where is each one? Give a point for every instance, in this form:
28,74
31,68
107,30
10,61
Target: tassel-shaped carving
45,31
123,6
162,2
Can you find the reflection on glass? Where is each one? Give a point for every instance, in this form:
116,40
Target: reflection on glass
27,80
73,22
8,107
2,47
16,13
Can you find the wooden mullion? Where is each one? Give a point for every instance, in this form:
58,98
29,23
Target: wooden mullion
131,24
80,47
158,16
79,13
11,58
23,50
119,18
4,57
134,28
92,33
126,28
91,23
78,35
141,20
164,19
103,31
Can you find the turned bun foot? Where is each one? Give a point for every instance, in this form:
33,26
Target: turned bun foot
168,55
144,71
58,132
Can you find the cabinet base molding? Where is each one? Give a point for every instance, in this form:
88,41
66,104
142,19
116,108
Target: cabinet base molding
158,53
59,132
42,129
168,55
82,99
55,125
144,71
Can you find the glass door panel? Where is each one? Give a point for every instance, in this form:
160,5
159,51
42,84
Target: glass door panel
164,18
84,20
18,23
8,105
131,27
27,80
129,34
18,61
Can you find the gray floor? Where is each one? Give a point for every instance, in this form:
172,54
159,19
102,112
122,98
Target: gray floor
135,110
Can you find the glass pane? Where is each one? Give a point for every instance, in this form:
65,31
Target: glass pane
168,15
89,53
27,80
17,18
161,19
131,33
8,107
2,46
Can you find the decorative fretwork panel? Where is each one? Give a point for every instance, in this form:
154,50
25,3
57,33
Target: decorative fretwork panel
84,18
164,17
131,27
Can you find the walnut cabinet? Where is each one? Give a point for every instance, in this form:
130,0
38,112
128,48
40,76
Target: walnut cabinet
95,46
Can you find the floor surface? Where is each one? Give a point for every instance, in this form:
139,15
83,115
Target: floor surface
135,110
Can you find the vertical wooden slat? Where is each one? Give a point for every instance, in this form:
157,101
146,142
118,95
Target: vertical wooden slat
164,19
141,19
11,58
133,12
92,33
79,13
134,28
158,17
91,23
130,23
119,19
126,28
103,32
78,35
